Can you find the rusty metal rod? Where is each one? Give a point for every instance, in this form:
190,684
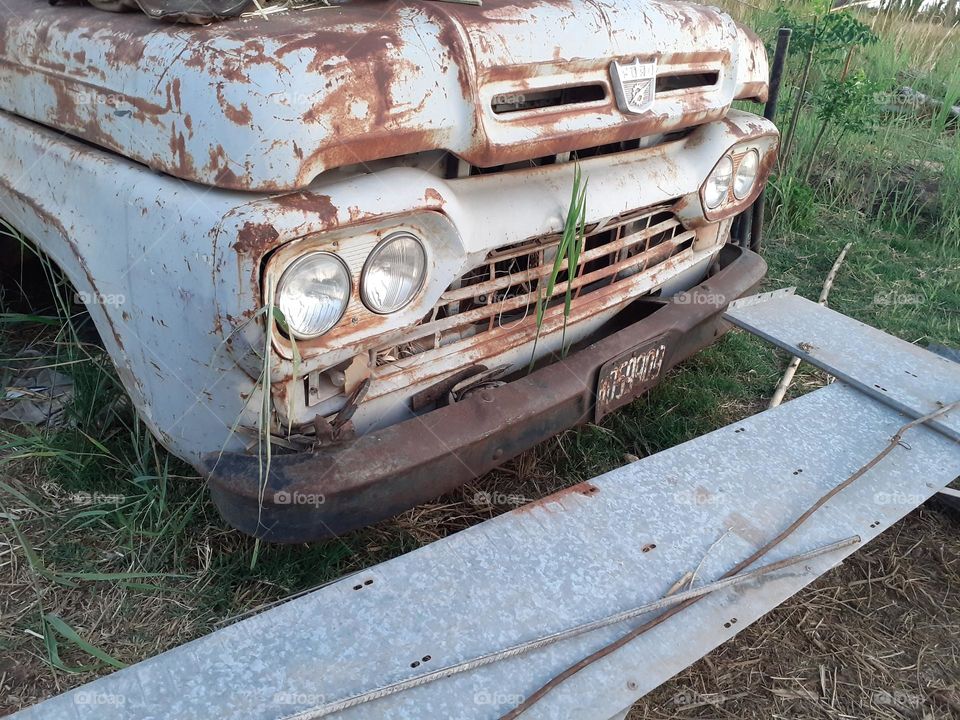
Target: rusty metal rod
568,633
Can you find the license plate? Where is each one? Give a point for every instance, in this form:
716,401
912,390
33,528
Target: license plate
625,377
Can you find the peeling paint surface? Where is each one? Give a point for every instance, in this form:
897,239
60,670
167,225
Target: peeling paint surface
269,104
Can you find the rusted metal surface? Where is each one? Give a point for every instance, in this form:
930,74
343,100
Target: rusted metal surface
268,104
309,496
139,250
492,308
352,111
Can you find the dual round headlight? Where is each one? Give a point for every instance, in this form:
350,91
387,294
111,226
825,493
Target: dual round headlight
394,273
313,293
747,170
314,290
717,188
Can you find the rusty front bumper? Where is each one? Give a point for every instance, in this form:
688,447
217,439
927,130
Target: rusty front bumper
310,496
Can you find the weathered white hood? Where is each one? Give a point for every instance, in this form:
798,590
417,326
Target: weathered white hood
267,104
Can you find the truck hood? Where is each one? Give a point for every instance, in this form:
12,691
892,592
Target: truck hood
267,104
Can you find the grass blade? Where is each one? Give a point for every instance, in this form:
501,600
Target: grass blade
55,624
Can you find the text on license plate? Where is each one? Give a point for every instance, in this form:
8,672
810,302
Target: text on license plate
623,378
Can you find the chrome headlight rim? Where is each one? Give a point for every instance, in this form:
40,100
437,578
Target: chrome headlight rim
751,153
722,199
371,258
290,270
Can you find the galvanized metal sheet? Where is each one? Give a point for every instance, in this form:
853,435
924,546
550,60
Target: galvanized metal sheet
895,372
599,547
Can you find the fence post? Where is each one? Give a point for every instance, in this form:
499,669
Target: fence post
769,112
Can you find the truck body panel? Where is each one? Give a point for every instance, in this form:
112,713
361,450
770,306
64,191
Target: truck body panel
175,173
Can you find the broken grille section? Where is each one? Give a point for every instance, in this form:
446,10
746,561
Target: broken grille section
504,290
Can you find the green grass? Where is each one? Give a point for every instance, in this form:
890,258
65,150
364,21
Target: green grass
160,567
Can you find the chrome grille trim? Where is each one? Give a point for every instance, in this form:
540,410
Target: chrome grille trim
503,291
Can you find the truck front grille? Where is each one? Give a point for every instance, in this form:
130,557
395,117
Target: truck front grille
503,292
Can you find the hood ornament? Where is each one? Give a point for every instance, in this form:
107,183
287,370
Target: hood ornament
634,84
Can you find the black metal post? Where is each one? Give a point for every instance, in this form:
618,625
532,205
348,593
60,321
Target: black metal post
736,236
769,112
747,226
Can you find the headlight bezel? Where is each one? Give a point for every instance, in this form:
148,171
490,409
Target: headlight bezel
371,257
353,243
295,265
765,147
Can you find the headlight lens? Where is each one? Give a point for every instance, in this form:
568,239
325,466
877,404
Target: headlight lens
718,184
746,174
394,273
313,293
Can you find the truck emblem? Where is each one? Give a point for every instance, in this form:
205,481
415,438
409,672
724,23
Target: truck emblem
634,84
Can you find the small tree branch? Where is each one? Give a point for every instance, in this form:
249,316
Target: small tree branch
795,361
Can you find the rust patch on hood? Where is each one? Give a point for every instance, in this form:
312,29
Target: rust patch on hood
433,197
312,204
239,115
255,238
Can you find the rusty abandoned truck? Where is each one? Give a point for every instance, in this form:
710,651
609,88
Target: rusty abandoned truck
332,224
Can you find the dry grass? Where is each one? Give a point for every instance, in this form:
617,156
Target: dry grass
124,619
